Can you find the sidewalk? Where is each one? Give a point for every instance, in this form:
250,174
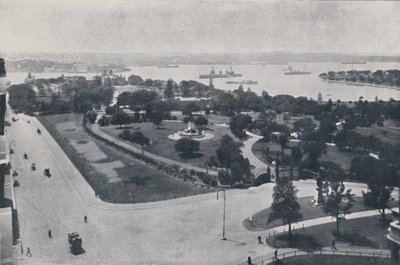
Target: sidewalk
259,166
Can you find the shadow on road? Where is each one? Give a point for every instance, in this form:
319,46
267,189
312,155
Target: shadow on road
238,243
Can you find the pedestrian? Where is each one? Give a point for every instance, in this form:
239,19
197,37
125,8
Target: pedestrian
249,261
276,254
333,247
28,252
49,233
259,240
85,219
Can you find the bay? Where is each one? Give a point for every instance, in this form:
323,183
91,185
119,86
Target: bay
270,78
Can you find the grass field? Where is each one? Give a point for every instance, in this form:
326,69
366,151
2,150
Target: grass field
386,135
331,154
163,146
116,177
259,220
369,232
333,260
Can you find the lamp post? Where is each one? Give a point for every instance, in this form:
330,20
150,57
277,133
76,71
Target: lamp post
223,220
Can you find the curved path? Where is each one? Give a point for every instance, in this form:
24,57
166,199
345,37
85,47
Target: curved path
182,231
259,166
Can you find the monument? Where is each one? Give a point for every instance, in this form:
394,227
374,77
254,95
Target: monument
191,132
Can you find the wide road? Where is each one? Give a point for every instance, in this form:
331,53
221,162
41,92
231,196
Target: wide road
182,231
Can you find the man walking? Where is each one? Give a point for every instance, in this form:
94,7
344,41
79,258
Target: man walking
333,247
276,254
28,252
49,233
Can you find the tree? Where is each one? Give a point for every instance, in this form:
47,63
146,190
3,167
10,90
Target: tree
378,197
238,124
91,115
338,203
296,155
237,168
169,90
120,117
283,140
134,79
227,152
157,118
187,147
200,121
21,97
185,89
285,205
189,108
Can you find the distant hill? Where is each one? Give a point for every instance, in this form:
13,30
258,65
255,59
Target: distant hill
201,58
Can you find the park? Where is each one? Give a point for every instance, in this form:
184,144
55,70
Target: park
327,184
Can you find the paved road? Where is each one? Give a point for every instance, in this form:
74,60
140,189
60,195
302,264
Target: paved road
182,231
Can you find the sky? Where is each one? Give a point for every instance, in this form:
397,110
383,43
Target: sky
197,26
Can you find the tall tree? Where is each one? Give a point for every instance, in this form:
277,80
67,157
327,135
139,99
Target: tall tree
238,123
338,203
169,90
285,205
120,117
187,147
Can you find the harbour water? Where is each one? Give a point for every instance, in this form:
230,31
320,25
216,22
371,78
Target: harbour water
269,78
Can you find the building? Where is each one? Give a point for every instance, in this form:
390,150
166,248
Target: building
6,189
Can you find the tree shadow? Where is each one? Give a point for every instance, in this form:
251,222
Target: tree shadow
305,243
237,243
195,155
124,128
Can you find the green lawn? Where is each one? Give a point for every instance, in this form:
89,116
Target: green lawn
331,154
333,260
259,220
163,146
367,232
387,135
138,182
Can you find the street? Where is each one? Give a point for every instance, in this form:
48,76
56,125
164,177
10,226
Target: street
182,231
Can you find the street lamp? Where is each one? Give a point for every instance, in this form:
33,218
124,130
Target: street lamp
223,221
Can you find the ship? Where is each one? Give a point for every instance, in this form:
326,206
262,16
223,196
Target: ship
213,74
353,62
290,71
167,66
243,82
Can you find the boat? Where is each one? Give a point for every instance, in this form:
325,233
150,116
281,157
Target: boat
213,74
353,62
167,66
290,71
243,82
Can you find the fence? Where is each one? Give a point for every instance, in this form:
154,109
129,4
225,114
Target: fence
268,259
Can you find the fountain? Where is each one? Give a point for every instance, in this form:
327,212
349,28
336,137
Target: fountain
191,132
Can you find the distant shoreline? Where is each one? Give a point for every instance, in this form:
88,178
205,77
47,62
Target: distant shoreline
358,83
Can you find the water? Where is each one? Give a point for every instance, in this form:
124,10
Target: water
269,77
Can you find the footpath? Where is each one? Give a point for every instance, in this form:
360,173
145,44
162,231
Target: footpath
342,248
95,129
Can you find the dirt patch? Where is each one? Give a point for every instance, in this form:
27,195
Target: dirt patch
109,170
89,150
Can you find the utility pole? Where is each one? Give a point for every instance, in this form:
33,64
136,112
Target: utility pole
223,220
